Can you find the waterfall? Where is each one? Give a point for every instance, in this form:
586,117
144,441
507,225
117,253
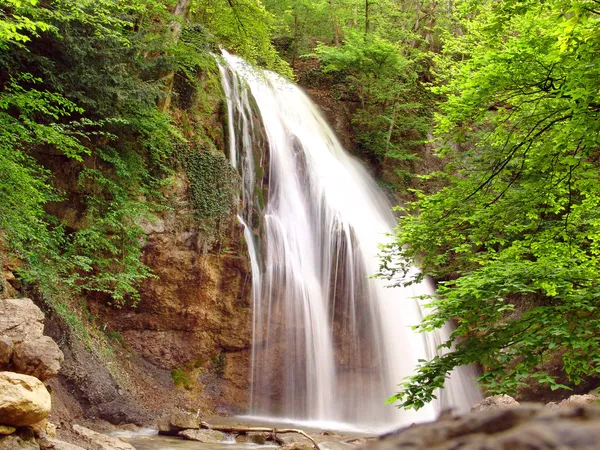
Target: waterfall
330,344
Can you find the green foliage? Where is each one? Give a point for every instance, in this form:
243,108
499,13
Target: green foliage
244,26
219,363
381,61
16,28
180,378
390,120
213,190
515,232
81,95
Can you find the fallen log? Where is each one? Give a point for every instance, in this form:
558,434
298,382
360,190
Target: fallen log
273,431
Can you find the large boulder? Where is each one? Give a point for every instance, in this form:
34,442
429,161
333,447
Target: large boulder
24,400
23,346
98,441
39,357
172,424
495,402
205,436
20,320
530,427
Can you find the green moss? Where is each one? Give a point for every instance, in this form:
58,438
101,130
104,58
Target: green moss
213,191
219,363
180,378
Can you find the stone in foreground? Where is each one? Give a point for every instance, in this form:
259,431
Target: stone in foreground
100,441
24,400
528,427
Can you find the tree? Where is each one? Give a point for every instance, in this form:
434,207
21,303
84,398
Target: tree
514,236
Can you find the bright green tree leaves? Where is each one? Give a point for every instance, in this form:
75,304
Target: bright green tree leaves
515,232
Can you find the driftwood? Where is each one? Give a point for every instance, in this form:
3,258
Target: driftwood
273,431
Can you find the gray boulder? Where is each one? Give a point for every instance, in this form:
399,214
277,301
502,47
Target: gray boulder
20,319
23,346
205,436
39,357
495,402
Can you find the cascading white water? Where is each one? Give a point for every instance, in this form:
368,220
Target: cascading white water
330,343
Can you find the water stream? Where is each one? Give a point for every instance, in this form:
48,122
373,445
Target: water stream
330,344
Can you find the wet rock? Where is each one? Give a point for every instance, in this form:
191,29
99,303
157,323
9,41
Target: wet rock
360,440
6,430
24,400
291,438
525,427
24,439
172,424
259,438
298,446
205,436
495,402
98,441
254,438
39,357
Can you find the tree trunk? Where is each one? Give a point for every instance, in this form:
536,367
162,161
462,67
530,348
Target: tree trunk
181,12
391,128
335,23
296,25
367,4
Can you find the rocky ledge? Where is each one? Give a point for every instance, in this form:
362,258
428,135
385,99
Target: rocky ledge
503,427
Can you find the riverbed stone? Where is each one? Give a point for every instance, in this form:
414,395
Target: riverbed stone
173,423
99,441
495,402
24,400
298,446
205,436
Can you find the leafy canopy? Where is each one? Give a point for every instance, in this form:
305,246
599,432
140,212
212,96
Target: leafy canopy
515,233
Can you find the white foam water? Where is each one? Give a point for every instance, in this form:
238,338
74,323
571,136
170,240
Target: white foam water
330,343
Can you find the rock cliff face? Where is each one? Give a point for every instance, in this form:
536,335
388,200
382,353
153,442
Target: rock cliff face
194,319
186,344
